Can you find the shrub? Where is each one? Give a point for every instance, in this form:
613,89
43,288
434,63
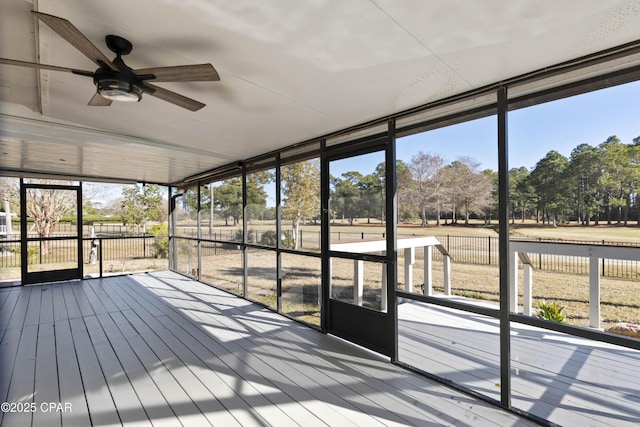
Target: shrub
32,252
269,238
160,240
550,311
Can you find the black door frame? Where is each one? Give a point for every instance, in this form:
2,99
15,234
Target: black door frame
369,328
29,278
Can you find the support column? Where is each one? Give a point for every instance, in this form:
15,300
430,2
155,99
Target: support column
383,296
594,292
427,288
503,246
409,260
358,281
513,282
528,289
446,259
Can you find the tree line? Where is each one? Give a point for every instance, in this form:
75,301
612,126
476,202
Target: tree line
594,184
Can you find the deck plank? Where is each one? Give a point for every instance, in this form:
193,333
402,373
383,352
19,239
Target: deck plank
102,408
76,291
231,356
46,305
46,376
32,315
59,306
124,396
265,410
182,370
151,398
69,378
250,343
240,397
21,384
19,312
184,408
8,354
9,303
70,301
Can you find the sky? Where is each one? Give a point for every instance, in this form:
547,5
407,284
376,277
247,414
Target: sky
534,131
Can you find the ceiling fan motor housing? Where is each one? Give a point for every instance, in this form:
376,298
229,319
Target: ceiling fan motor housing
118,45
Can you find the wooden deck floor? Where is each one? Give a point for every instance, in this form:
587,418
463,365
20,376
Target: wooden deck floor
561,378
159,349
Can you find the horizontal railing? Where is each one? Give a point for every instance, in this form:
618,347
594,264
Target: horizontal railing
102,255
476,250
592,256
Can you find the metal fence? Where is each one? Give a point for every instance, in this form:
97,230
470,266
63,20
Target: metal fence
111,254
478,250
484,251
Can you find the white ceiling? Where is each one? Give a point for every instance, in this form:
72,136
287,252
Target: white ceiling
291,70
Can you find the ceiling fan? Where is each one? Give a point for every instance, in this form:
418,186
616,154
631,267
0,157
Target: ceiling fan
114,80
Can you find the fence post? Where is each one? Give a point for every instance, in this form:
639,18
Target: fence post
489,237
540,256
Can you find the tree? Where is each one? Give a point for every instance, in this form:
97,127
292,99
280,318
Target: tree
141,204
620,175
300,184
583,175
549,180
256,194
403,180
345,197
228,197
425,188
46,207
470,189
520,192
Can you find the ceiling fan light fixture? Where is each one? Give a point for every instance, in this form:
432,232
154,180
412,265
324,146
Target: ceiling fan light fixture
119,90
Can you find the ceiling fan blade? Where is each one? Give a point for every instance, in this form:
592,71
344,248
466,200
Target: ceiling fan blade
172,97
182,73
44,66
71,34
99,101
